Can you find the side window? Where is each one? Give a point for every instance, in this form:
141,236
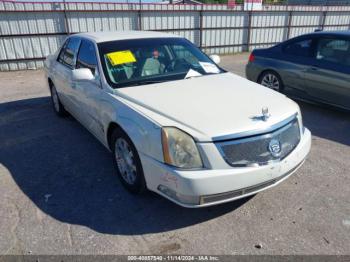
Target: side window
69,52
61,55
87,56
333,50
299,48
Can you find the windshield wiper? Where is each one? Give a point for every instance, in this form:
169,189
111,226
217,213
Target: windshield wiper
148,82
140,83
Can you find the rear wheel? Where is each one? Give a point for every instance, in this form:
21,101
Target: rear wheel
271,80
127,162
56,103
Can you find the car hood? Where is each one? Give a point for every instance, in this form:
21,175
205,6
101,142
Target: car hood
211,108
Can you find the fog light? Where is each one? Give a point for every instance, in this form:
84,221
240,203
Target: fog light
185,199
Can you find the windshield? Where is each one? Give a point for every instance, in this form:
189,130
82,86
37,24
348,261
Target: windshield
146,61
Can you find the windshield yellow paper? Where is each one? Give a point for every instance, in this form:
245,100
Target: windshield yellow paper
121,57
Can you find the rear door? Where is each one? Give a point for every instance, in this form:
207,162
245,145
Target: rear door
88,94
328,78
297,57
58,77
63,72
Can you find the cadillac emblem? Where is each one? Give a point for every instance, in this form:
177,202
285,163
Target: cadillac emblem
275,148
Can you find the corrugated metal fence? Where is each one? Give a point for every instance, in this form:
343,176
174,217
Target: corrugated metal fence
30,31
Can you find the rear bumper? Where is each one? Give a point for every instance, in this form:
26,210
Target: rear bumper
252,72
202,188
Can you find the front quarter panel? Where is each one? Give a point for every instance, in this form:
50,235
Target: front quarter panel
143,132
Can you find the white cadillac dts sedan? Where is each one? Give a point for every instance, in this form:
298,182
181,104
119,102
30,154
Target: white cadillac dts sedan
176,122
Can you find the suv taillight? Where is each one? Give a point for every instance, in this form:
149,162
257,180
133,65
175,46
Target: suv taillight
251,58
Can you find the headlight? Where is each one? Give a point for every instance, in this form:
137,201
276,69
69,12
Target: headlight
179,149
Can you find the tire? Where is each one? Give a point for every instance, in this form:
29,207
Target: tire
127,162
56,103
272,80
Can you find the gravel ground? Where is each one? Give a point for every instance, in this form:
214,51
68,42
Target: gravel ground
60,196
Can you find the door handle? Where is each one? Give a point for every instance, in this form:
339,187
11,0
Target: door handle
74,86
314,68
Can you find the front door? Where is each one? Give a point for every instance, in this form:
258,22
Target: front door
88,94
297,56
328,78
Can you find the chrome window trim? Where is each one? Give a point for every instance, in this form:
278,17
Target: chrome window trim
255,131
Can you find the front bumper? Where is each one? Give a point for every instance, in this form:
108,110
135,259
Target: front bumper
200,188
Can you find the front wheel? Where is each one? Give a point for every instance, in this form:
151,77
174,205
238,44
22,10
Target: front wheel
127,163
271,80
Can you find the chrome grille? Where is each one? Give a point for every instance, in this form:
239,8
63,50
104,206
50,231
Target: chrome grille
258,150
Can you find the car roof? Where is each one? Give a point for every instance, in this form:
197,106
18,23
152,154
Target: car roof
345,33
100,37
333,33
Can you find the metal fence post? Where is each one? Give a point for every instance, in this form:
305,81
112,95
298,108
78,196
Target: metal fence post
290,17
201,27
323,21
66,25
249,29
139,19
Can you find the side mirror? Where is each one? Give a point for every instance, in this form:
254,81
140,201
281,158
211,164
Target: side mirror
215,58
82,74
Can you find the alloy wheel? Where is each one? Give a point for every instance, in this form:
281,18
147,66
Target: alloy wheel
271,81
124,157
